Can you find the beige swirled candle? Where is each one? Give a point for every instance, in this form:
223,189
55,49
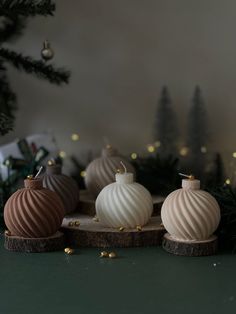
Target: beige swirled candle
124,203
101,171
190,213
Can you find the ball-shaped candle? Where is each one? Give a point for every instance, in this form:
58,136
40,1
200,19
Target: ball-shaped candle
190,213
124,203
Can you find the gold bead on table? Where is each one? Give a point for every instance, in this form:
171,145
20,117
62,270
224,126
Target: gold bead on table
77,223
30,177
139,228
95,218
112,255
121,229
7,233
104,254
69,251
71,224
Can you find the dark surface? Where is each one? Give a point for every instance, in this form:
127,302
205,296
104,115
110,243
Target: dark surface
141,281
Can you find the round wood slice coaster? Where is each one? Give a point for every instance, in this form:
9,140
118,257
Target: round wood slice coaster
89,233
35,245
87,204
190,248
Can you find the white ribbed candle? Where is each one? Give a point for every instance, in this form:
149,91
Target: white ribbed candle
124,203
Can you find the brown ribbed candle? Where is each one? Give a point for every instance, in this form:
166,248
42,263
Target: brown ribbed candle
33,212
66,187
101,171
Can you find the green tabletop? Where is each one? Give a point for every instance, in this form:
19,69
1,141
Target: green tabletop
141,281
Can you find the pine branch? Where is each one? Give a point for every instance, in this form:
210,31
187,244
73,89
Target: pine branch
37,67
7,96
6,124
11,28
26,8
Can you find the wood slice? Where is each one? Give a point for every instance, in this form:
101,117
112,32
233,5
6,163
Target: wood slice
87,204
35,245
190,248
92,234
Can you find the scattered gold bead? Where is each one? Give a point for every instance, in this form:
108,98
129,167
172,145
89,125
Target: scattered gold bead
112,255
95,218
121,229
71,224
104,254
70,252
66,249
191,177
139,228
30,177
77,223
7,233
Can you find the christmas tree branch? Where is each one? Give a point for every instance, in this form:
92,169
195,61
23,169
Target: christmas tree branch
7,96
37,67
26,7
11,29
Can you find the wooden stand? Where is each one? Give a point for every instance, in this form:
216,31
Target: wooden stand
35,245
92,234
190,248
86,204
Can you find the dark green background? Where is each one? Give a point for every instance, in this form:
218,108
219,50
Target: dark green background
141,281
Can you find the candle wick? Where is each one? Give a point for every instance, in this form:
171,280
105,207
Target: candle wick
123,165
38,173
191,177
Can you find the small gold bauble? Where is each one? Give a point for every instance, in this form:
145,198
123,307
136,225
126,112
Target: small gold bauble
30,177
191,177
77,223
71,224
121,229
139,228
112,255
7,232
47,53
66,249
104,254
95,218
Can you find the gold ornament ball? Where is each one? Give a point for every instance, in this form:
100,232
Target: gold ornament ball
112,255
121,229
104,254
47,53
77,223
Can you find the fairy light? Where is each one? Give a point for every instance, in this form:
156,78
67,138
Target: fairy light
74,137
150,148
183,151
203,149
234,154
157,144
62,154
227,181
83,173
134,156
